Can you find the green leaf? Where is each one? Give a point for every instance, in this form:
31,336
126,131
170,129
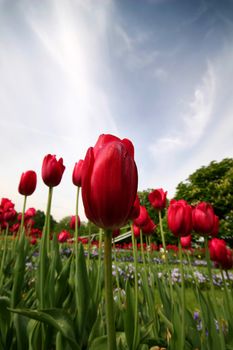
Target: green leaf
56,318
100,343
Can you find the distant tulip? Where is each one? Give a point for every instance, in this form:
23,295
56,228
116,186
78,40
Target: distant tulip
217,248
227,260
149,227
142,218
203,218
179,218
30,212
63,236
186,241
52,170
116,233
158,199
135,209
27,184
77,173
109,182
136,231
72,222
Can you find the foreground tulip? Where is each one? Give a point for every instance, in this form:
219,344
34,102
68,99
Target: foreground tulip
27,184
158,199
179,218
109,182
77,173
52,170
203,218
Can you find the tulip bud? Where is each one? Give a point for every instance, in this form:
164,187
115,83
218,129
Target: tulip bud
186,241
27,184
77,173
72,222
203,218
142,218
179,218
109,182
158,199
52,170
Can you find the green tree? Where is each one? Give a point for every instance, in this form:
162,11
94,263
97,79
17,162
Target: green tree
39,219
213,184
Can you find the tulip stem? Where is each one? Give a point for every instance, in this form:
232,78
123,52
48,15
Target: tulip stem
44,247
110,320
213,295
76,246
23,213
182,299
142,250
135,333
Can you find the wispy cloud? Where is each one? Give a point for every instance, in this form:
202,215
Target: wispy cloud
192,123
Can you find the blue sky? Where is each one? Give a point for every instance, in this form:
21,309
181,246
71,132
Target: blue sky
158,72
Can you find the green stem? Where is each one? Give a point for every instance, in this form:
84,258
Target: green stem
3,256
213,295
23,213
89,245
142,250
182,299
117,274
110,320
76,246
44,247
135,334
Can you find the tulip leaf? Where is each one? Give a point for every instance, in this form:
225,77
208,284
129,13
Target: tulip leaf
100,343
56,318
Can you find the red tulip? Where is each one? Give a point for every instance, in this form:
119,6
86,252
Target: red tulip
77,173
27,184
203,218
135,209
72,222
149,227
227,260
158,199
30,212
217,248
142,218
136,231
179,218
52,170
63,236
109,182
186,241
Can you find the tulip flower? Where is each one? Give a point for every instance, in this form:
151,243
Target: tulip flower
158,199
52,170
77,173
72,222
179,218
227,260
218,249
142,218
186,241
203,218
109,182
27,184
63,236
135,209
136,231
149,227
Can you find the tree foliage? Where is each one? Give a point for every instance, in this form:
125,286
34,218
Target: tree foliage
213,184
39,219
